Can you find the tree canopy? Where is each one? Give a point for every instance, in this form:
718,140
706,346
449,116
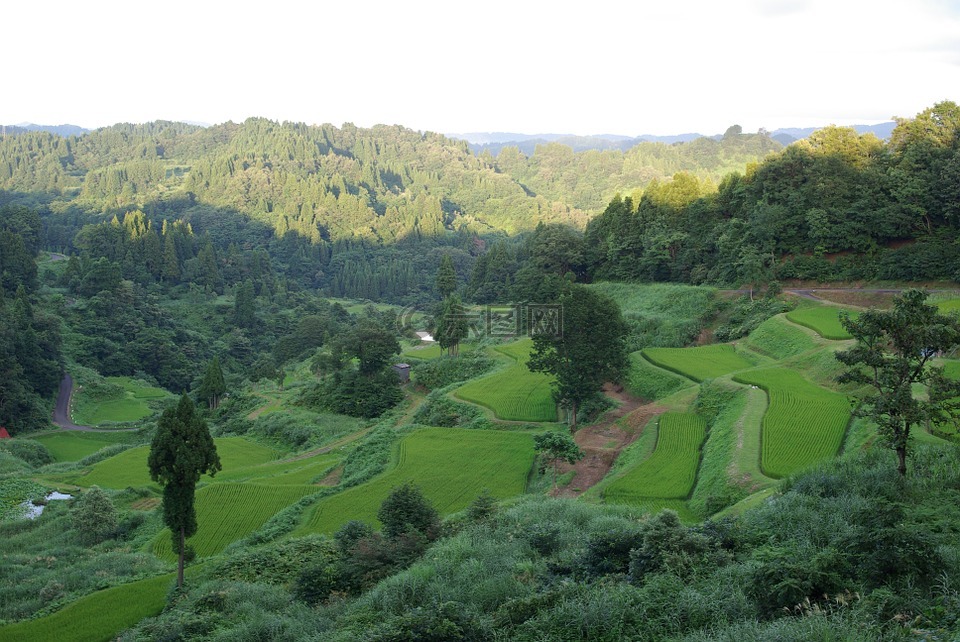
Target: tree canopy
895,350
584,348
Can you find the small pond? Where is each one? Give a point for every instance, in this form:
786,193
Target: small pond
32,511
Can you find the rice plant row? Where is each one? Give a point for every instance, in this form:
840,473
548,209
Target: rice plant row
804,423
700,363
670,472
452,466
822,319
129,468
227,512
513,393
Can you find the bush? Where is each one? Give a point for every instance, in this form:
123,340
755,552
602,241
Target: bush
442,372
94,517
30,451
406,509
440,410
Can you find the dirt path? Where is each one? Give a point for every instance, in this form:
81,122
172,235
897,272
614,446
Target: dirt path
604,440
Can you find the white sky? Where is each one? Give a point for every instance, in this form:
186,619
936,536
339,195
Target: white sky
584,67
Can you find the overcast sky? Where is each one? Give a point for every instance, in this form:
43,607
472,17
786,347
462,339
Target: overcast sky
585,67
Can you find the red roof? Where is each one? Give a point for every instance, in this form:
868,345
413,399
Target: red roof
3,433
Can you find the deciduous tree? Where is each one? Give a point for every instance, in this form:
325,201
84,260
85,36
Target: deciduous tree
555,447
583,350
894,350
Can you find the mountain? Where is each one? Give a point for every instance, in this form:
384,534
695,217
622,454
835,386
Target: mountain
494,142
787,135
60,130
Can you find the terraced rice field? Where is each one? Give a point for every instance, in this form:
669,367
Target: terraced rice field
452,466
129,468
432,351
227,512
700,363
670,472
822,319
75,445
514,393
804,423
284,472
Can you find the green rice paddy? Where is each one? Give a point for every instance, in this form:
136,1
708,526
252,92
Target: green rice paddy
452,466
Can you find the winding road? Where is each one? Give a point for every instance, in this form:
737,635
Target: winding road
61,412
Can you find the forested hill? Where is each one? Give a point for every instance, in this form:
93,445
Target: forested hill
333,183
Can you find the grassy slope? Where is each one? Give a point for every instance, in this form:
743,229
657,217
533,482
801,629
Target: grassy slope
131,403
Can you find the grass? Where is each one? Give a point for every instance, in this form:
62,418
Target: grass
670,472
226,512
661,314
779,339
432,351
130,402
704,362
822,319
804,423
513,393
650,382
75,445
98,616
129,468
452,466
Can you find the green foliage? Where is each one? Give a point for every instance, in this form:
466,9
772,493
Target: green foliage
700,363
14,492
444,371
778,339
661,315
406,509
94,516
892,354
804,423
441,410
32,452
212,386
585,351
746,315
181,451
555,447
352,393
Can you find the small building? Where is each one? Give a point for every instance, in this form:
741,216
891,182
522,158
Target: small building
426,337
403,371
3,433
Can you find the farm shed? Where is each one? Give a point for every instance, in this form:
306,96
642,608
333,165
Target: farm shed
403,371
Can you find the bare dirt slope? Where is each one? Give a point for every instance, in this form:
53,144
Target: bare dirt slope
603,441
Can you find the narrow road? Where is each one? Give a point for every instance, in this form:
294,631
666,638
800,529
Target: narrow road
61,412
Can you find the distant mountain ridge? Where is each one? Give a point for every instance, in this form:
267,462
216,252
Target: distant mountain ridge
493,142
59,130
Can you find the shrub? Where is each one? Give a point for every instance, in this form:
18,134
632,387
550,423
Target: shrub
94,517
440,373
30,451
406,509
